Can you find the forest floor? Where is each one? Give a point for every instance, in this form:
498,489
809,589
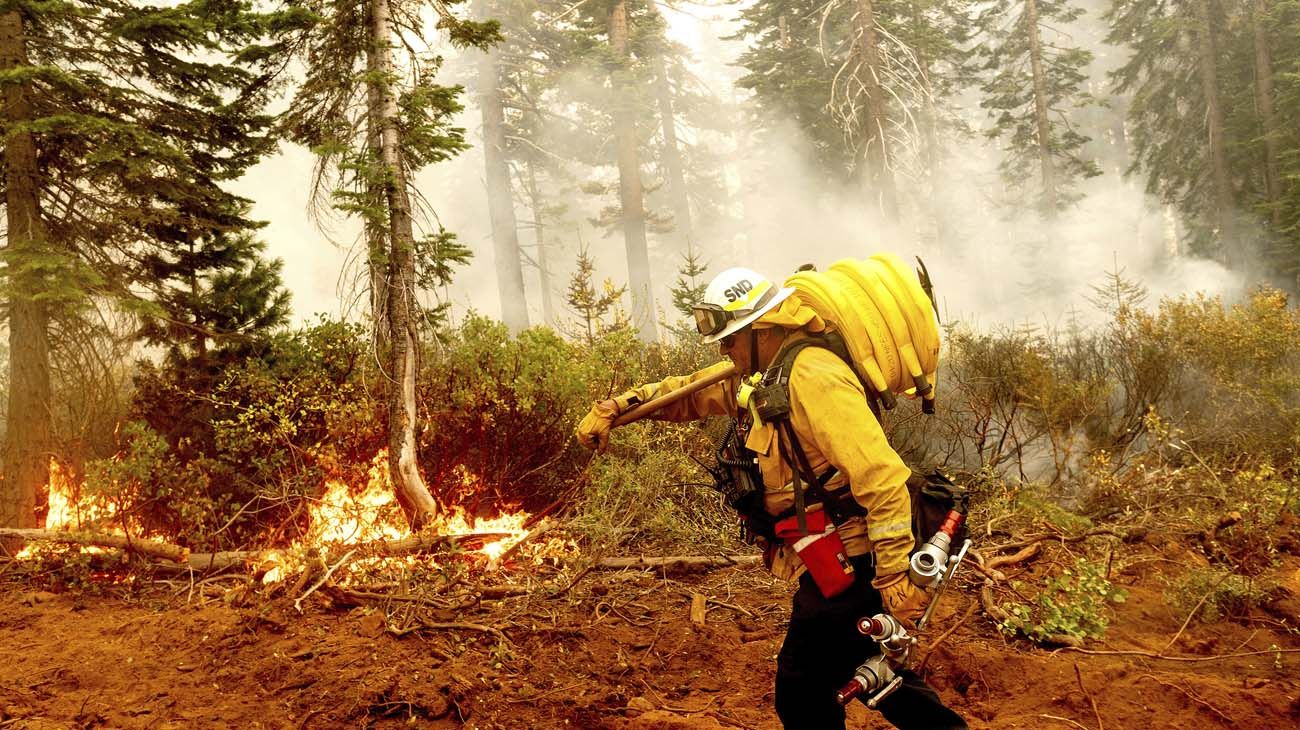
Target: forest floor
613,650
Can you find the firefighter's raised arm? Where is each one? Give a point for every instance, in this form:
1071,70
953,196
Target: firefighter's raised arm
678,396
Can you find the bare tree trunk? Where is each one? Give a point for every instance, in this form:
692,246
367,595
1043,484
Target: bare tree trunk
403,466
376,235
543,258
1267,111
1050,199
1222,212
673,156
879,173
631,192
29,427
501,199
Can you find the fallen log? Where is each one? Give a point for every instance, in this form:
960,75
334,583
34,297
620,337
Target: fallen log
677,561
138,545
205,562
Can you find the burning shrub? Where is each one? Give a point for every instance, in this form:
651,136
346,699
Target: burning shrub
501,408
219,462
151,490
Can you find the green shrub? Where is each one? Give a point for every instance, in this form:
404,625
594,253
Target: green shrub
220,460
503,409
1215,593
1074,603
639,496
152,491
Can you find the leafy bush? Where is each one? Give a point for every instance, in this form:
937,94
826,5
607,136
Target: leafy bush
646,497
504,408
1215,593
1155,408
219,461
154,492
1074,603
1242,392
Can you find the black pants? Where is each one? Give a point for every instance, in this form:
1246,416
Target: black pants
822,648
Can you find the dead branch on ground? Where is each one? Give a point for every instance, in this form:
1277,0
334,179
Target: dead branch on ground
141,546
677,561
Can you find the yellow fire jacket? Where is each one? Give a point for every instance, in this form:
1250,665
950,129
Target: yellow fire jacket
829,413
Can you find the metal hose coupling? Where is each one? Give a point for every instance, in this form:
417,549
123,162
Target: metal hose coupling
928,565
887,631
878,676
871,676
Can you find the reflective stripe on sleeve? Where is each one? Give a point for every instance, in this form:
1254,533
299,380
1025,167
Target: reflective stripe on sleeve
897,528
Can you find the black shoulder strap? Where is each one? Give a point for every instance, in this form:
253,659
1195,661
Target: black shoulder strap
778,374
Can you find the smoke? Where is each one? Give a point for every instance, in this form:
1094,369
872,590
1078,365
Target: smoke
994,261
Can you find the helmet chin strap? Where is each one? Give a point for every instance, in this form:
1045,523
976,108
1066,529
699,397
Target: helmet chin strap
753,349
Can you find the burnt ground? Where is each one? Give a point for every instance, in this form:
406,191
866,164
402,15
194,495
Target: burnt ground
615,650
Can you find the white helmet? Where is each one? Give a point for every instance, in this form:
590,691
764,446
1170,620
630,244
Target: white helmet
735,298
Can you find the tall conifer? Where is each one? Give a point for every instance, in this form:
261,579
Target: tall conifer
1036,84
120,121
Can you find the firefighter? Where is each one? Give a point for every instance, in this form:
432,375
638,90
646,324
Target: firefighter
754,322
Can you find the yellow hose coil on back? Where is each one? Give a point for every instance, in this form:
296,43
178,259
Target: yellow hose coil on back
886,318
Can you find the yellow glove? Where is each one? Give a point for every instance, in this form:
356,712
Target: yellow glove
593,431
902,599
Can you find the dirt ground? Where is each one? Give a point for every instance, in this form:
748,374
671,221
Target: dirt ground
615,650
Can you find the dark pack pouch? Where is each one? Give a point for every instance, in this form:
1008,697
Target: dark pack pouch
933,497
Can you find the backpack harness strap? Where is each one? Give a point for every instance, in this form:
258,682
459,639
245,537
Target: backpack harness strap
839,505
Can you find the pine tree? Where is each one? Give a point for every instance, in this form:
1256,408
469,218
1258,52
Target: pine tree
564,135
1036,85
1267,95
501,198
372,126
1286,61
121,121
1177,113
688,291
217,297
866,82
593,305
689,288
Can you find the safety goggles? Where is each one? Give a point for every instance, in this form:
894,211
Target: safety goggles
710,319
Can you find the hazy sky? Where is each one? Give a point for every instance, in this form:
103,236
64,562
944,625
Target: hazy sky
986,278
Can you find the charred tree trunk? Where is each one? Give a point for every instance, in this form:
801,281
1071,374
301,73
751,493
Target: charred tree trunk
1265,99
631,192
501,199
1222,209
1050,199
29,427
402,308
879,173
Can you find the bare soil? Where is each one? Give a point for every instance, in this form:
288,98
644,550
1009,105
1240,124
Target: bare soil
615,650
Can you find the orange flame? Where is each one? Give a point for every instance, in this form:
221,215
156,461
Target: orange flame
69,509
341,518
337,520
